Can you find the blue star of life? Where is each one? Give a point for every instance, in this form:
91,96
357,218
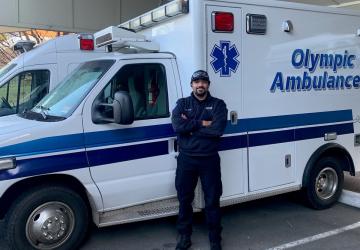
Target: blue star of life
224,58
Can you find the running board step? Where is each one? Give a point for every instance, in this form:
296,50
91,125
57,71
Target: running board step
141,212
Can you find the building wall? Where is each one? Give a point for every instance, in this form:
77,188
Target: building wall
70,15
348,4
317,2
87,15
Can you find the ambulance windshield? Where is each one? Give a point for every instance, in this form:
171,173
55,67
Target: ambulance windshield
64,99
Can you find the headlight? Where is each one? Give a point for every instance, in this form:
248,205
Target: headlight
7,163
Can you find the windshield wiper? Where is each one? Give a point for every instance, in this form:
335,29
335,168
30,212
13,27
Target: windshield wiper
42,111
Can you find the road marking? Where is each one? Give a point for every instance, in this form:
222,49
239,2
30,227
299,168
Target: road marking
316,237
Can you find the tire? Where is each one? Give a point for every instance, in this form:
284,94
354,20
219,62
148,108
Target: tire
325,183
47,217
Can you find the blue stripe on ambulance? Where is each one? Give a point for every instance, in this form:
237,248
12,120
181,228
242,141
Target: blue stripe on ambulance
44,165
127,153
268,138
287,121
52,164
128,135
45,145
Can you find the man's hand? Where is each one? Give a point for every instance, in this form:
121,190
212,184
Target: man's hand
206,123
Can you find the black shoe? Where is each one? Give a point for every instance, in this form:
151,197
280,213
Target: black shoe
183,243
215,246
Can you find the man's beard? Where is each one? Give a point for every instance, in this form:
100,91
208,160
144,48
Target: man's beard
201,94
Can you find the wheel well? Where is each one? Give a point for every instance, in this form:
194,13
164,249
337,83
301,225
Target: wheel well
332,150
24,185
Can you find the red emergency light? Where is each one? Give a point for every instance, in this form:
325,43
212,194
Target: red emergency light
86,42
222,22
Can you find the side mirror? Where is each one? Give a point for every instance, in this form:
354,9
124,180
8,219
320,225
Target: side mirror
121,111
123,108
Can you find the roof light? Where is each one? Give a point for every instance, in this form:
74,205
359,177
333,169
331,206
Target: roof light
146,20
135,24
222,22
161,13
173,9
158,14
126,25
86,41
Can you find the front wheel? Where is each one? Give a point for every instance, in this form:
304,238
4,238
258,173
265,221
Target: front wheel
47,217
325,183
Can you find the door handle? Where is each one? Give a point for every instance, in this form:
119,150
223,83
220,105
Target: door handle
176,146
233,117
173,147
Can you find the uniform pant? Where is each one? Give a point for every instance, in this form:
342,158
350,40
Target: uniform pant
189,169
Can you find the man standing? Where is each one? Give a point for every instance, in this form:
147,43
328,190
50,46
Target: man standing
199,120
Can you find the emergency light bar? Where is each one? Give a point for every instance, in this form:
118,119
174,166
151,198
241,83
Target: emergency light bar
86,41
162,13
121,38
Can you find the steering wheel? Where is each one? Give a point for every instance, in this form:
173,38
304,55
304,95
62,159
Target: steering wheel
6,103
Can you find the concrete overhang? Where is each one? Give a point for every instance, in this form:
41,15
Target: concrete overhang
7,29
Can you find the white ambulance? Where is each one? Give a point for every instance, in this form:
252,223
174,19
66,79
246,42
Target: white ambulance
30,76
100,147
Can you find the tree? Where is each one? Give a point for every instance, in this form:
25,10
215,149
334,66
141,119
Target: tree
8,40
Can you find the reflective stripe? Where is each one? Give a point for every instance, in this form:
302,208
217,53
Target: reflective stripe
143,134
52,164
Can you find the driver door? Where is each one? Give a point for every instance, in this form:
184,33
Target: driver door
134,164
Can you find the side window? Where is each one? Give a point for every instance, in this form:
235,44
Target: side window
34,85
24,91
3,93
146,84
13,91
8,96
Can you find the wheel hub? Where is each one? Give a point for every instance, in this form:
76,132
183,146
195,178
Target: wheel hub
54,228
326,183
322,182
49,225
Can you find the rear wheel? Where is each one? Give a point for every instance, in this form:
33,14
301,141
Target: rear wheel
47,217
325,183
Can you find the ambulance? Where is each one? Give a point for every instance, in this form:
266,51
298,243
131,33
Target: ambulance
100,146
31,75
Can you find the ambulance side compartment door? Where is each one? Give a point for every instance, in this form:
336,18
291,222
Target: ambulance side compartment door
223,56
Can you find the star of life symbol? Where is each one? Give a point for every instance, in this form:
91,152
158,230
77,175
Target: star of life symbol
224,58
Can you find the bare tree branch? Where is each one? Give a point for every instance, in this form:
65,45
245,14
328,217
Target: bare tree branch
8,40
35,36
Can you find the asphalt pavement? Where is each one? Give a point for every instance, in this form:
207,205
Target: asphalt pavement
262,224
270,223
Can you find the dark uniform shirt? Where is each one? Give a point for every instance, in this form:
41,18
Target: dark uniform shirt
193,138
